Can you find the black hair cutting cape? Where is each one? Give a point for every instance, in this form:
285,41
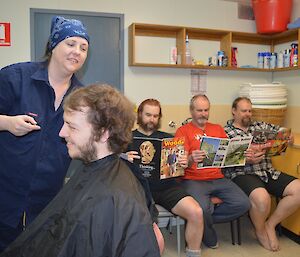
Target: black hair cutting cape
100,212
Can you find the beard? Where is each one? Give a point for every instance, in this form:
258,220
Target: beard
202,121
149,126
88,151
246,122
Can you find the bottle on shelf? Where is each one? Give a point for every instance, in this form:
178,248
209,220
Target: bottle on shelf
280,60
188,56
295,58
173,55
273,60
294,55
220,57
267,59
234,56
260,60
286,58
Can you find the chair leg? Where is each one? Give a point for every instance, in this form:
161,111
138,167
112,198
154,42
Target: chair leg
178,236
169,226
238,227
232,232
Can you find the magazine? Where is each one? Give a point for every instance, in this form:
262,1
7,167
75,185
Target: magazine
275,142
224,152
159,157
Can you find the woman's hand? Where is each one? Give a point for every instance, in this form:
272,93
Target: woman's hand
19,125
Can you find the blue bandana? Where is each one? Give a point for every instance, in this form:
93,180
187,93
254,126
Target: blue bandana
62,28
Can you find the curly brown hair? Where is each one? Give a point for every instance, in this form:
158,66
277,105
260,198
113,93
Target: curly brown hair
109,110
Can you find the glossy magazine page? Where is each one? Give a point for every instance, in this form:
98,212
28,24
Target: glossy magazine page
224,152
274,142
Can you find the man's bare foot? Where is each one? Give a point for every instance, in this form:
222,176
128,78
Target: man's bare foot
273,240
263,239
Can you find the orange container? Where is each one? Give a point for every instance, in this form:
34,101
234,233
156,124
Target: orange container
272,16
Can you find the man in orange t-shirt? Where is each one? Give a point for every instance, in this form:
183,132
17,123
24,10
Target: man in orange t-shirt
204,183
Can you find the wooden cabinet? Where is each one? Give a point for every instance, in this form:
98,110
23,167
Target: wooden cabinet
290,164
226,40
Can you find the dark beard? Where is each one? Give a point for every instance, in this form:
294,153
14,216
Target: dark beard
147,128
88,151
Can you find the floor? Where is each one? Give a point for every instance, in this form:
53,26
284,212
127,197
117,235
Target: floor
248,248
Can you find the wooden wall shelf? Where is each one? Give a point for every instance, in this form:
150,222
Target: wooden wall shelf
226,39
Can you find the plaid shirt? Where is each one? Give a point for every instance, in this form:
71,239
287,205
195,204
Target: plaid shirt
259,169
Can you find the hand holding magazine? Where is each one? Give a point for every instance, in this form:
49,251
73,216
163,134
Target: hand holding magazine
224,152
274,142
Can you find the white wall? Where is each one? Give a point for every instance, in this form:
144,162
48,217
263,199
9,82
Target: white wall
291,79
171,86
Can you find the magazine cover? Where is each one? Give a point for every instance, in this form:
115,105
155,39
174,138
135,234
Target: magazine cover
224,152
159,157
275,142
171,149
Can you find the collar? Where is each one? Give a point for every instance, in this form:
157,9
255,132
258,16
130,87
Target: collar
151,135
103,163
202,130
42,75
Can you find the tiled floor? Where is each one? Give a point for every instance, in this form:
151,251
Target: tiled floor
248,248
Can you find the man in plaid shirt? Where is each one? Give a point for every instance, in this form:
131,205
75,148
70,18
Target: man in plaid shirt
258,178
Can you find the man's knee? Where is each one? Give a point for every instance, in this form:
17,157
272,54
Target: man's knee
293,189
260,200
240,203
195,214
192,210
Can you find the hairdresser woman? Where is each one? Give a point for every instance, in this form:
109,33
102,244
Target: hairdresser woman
33,158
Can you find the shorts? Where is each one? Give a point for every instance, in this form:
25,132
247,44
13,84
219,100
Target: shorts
274,186
169,197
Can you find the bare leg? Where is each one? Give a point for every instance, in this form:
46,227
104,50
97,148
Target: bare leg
159,238
260,208
289,204
190,210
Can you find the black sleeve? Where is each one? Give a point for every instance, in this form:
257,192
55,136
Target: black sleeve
145,184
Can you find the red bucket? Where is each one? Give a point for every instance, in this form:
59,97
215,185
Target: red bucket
272,16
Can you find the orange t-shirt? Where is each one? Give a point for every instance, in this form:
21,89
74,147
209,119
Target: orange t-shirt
192,136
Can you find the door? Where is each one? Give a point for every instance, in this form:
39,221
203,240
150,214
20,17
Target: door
106,52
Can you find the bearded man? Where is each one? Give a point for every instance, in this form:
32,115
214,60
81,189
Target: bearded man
102,209
258,178
205,183
168,192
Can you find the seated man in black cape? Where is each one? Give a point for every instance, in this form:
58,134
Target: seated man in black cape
102,210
